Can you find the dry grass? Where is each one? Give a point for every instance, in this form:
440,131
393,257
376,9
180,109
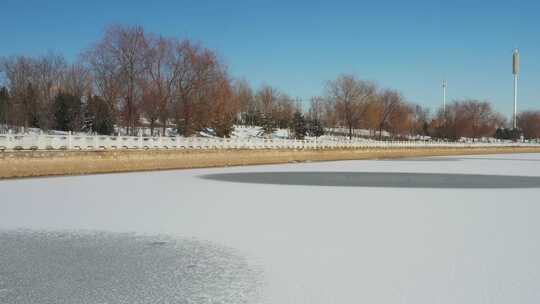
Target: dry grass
46,163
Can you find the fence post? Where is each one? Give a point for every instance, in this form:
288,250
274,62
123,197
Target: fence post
9,144
69,144
38,143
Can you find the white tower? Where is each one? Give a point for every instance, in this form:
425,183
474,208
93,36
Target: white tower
444,85
515,71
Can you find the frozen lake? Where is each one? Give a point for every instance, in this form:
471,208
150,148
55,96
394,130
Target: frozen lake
460,229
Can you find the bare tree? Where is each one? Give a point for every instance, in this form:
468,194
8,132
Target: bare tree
22,79
161,73
212,77
267,97
224,109
77,80
386,106
467,118
246,100
330,117
105,73
283,111
420,120
480,119
529,123
351,97
198,70
150,107
129,43
118,61
401,120
49,71
316,108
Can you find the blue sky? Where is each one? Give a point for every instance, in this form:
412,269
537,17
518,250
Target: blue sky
298,46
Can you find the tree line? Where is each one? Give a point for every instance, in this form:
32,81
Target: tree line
129,78
353,103
132,78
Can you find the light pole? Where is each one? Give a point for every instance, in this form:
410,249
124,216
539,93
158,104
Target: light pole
515,71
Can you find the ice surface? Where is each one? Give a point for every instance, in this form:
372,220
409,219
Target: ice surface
380,179
72,268
322,244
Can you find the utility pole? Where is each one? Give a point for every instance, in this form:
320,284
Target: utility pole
444,85
515,71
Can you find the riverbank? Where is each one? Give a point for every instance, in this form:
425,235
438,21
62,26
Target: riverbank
49,163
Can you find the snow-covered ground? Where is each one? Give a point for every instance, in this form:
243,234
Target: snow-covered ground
324,244
252,132
256,132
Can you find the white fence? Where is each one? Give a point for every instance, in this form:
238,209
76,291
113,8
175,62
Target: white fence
98,142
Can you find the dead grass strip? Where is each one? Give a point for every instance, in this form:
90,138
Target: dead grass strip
49,163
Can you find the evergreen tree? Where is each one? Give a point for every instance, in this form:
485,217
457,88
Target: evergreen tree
223,128
4,106
99,117
506,133
180,126
500,133
30,108
315,128
299,127
67,110
251,118
268,125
